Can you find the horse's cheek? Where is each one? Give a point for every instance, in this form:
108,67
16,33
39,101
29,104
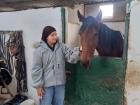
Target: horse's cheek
83,57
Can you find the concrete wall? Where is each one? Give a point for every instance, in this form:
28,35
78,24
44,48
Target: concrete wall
133,67
116,26
31,22
73,25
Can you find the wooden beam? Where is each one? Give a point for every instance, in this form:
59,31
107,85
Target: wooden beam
31,4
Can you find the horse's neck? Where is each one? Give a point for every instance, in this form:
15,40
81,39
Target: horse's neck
104,37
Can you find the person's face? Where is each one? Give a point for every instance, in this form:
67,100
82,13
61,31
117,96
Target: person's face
52,38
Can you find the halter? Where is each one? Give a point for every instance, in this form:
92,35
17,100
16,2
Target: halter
86,50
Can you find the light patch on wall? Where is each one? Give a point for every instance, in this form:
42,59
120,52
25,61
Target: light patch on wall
107,11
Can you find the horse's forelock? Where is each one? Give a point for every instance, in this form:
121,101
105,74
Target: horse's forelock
88,23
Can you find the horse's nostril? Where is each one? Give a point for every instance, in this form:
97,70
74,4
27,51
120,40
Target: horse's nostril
85,64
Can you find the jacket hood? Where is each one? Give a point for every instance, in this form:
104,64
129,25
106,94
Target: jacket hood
44,45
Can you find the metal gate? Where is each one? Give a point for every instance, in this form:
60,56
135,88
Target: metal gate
102,84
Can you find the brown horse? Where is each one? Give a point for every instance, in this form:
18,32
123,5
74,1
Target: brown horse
96,35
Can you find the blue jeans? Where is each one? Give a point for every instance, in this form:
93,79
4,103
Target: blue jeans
53,95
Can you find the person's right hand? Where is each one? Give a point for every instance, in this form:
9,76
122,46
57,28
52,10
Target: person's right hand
40,91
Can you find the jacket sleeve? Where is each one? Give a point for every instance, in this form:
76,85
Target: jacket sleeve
37,70
71,55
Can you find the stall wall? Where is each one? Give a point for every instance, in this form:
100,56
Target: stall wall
133,67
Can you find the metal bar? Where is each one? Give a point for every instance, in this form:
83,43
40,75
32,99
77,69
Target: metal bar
103,1
63,25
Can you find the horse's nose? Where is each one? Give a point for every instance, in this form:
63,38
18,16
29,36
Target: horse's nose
85,61
85,64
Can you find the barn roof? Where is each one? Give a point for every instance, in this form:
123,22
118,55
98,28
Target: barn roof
17,5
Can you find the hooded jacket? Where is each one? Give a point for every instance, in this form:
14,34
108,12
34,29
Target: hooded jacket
49,66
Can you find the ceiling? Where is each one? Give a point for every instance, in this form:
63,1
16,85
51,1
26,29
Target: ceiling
17,5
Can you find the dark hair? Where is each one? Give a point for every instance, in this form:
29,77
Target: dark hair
46,32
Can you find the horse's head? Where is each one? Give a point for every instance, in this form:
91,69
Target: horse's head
88,36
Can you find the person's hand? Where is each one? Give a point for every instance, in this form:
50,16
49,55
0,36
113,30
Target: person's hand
40,91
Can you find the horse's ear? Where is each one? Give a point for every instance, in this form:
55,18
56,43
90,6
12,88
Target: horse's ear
80,16
99,16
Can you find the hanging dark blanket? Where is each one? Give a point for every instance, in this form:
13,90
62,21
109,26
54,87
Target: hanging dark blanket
19,64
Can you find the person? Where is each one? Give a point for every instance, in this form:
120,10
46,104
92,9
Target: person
48,71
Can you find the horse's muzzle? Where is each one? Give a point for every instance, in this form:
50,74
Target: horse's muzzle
85,64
